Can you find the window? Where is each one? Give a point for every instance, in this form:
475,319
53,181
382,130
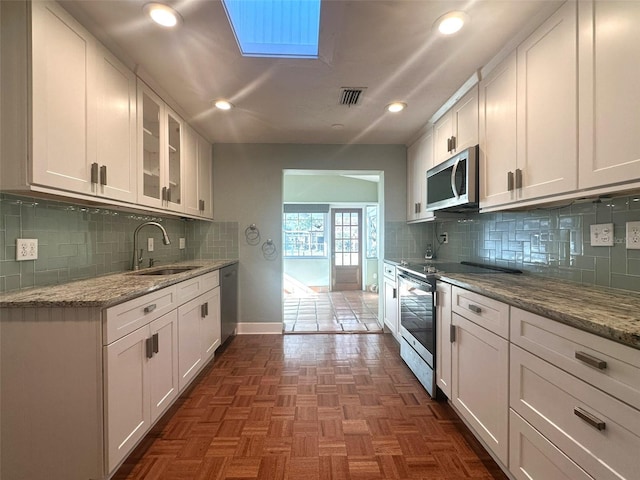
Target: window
275,28
372,231
304,234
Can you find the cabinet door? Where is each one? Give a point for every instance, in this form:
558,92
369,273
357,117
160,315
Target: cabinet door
420,157
127,416
151,155
205,178
498,134
163,366
412,198
175,165
547,107
443,337
465,121
391,307
63,102
210,323
189,351
191,184
116,129
442,133
480,382
609,92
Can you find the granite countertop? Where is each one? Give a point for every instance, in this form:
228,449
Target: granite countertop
107,290
607,312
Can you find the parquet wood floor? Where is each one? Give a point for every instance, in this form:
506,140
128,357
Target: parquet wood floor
309,407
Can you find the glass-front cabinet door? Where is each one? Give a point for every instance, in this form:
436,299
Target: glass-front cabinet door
151,151
174,164
160,147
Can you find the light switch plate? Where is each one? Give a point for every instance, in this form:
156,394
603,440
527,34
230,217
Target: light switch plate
182,243
602,235
26,249
633,235
150,244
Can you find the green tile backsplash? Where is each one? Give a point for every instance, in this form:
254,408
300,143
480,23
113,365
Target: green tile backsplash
549,241
76,242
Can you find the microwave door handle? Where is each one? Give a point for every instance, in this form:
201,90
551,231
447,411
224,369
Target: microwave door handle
453,179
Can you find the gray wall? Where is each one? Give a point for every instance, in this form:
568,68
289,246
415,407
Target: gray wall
248,189
76,242
552,242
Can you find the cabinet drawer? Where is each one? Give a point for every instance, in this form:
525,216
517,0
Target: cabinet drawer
567,410
390,271
486,312
533,457
190,289
122,319
607,365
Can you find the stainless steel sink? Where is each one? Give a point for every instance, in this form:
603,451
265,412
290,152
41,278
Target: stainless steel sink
166,270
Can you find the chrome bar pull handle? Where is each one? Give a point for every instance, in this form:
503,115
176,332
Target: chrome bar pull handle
454,143
150,308
518,178
475,308
592,420
103,175
452,333
149,347
591,360
155,343
164,194
94,173
395,293
201,205
449,145
510,181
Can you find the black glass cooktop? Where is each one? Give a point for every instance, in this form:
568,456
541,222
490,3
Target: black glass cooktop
462,267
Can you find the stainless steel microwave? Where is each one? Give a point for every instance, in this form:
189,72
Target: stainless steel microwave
453,185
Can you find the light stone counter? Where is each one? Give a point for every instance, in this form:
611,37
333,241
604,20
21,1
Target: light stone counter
107,290
609,313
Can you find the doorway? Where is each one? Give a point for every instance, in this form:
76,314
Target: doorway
346,251
331,259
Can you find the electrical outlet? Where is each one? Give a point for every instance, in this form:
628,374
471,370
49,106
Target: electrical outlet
602,235
633,235
445,237
26,249
150,244
183,244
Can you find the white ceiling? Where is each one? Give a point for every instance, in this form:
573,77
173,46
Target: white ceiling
389,47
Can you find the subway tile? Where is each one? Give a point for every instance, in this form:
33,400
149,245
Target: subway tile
603,273
625,282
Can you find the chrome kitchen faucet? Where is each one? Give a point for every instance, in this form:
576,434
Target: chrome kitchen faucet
137,260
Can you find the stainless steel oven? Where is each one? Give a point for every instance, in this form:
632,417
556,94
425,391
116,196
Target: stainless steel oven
417,326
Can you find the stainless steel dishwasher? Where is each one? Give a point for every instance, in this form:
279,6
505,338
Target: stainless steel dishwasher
228,301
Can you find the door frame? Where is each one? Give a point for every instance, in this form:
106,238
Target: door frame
361,258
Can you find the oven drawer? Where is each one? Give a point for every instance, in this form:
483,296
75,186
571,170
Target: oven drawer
486,312
598,432
607,365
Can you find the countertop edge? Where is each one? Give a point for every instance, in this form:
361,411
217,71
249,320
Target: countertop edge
609,332
44,297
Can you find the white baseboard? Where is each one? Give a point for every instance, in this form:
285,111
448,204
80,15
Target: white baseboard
255,327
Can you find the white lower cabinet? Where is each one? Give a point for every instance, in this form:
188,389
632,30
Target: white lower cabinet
480,383
443,337
391,305
140,383
198,333
533,457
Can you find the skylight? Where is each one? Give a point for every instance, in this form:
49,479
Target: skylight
275,28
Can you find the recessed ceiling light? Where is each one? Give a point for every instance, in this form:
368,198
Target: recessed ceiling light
451,22
396,107
163,14
337,126
223,105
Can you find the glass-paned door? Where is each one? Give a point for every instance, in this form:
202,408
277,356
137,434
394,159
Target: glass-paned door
174,154
346,250
151,147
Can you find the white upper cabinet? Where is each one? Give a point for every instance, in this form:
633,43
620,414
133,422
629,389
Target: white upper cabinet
609,92
419,160
528,129
71,107
160,150
63,129
457,129
198,179
498,134
116,129
547,108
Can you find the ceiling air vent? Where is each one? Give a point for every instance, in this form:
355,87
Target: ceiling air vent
351,96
